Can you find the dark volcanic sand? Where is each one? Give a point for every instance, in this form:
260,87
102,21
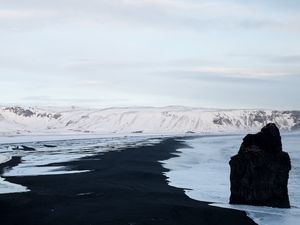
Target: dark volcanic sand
15,160
126,188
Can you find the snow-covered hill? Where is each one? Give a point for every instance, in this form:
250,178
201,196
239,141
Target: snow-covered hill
164,120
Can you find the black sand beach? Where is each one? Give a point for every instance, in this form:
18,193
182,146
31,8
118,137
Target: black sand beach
125,187
15,160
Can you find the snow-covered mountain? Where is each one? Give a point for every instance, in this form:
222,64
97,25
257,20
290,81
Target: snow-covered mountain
163,120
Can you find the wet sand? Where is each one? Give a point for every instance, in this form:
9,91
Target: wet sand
15,160
124,187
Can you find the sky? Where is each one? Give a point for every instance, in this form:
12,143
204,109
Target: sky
102,53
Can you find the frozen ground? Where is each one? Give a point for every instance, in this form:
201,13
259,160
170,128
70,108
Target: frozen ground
203,171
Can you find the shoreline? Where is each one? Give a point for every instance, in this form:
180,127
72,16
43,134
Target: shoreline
123,187
16,139
14,161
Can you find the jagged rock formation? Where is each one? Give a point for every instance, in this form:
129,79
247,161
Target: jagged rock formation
30,112
260,170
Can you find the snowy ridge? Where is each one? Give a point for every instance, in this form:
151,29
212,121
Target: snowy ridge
163,120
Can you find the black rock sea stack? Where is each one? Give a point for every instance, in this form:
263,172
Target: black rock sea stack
260,171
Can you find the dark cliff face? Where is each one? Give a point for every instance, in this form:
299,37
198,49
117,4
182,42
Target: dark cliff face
260,170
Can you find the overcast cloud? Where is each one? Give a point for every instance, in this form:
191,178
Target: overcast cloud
230,54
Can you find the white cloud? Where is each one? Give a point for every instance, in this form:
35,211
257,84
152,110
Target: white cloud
13,14
207,7
69,50
248,72
183,14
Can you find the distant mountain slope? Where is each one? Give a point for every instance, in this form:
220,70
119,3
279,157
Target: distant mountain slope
162,120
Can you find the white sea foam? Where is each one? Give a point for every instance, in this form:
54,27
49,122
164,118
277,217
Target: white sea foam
4,158
43,160
7,187
203,171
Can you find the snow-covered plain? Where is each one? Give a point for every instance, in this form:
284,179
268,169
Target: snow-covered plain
203,171
148,120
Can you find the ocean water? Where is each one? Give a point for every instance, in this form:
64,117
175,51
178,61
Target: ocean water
38,162
203,171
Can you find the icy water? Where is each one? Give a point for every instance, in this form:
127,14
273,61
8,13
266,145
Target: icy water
38,162
203,171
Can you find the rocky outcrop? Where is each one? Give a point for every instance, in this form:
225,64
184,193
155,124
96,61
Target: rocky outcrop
260,170
24,148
